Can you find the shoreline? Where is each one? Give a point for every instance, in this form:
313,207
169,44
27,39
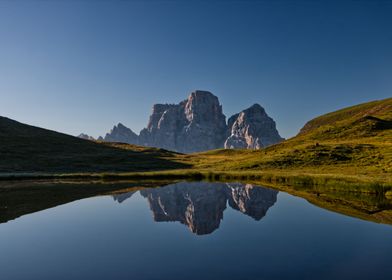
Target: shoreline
303,180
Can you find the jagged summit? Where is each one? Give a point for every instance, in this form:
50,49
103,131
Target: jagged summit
121,126
86,137
121,133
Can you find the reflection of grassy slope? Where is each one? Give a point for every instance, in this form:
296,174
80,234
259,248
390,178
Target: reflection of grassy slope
355,141
371,207
25,148
20,199
379,214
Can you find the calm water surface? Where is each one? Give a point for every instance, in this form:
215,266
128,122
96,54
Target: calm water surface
194,231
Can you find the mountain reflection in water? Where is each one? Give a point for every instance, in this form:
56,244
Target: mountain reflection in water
200,206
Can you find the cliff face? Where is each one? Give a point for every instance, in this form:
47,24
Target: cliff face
162,127
198,124
194,125
252,129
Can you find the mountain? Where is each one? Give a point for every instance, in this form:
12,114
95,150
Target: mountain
122,134
252,129
25,148
198,124
86,137
193,125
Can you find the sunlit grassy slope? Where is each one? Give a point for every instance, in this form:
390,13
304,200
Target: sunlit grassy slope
355,141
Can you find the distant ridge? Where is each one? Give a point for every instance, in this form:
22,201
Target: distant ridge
86,137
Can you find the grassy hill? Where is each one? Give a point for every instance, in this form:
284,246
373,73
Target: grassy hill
28,149
361,121
355,142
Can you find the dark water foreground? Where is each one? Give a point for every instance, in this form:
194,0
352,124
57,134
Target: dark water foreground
195,230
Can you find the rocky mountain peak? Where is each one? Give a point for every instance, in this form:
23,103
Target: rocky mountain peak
252,128
202,106
121,133
86,137
256,108
120,126
195,124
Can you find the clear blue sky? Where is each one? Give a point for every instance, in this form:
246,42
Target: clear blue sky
83,66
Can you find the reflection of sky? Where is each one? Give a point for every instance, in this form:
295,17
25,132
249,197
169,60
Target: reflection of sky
98,238
83,66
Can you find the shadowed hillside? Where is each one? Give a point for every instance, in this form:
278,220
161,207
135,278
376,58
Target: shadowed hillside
25,148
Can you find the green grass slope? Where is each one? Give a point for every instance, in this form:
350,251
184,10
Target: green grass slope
29,149
355,142
356,122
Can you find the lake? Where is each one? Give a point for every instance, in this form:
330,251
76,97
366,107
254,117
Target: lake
184,230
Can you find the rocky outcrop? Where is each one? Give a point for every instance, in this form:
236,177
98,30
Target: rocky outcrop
252,129
121,133
86,137
194,125
200,206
